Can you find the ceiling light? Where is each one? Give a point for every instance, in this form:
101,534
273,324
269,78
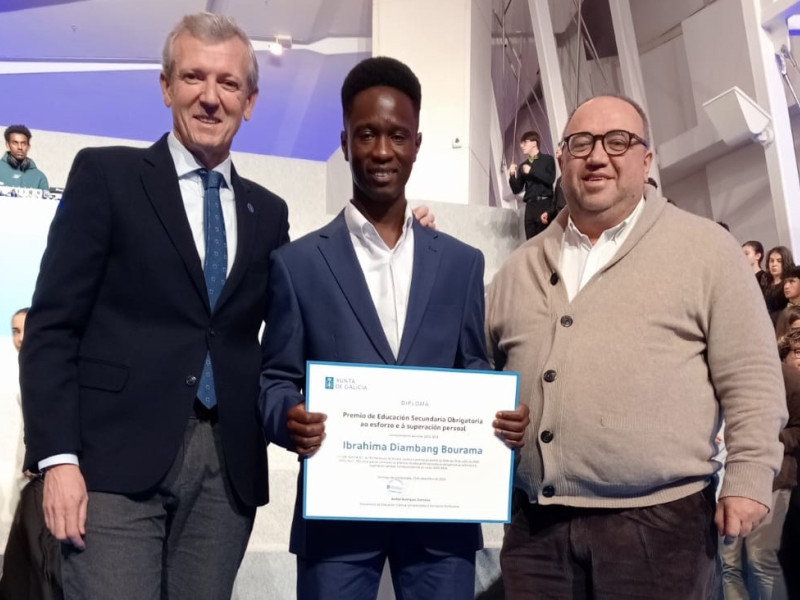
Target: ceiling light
280,43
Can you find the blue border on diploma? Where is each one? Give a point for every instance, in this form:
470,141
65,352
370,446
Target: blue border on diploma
407,367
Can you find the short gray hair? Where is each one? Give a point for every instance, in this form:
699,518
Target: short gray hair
210,28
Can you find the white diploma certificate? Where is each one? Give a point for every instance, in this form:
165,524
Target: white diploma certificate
409,444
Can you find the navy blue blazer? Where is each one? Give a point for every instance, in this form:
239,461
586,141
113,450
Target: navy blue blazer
321,309
120,325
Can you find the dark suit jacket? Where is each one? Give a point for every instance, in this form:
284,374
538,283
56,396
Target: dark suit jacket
120,325
321,309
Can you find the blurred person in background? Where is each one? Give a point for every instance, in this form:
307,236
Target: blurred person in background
789,350
18,327
760,548
779,262
791,287
32,558
754,251
788,319
16,169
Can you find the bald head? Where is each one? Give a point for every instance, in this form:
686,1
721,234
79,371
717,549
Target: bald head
630,101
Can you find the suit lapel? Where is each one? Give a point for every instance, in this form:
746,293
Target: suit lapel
427,256
160,182
246,220
338,252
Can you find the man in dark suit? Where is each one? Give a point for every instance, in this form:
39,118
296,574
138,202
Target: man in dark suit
140,367
374,287
536,176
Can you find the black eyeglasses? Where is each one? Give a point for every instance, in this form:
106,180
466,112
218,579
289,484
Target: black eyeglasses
615,142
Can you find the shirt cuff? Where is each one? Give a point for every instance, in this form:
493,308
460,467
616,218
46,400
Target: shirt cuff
58,459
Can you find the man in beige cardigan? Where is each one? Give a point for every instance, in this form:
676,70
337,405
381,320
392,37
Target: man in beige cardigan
636,328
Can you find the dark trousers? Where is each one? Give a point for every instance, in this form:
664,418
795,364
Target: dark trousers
416,575
32,559
533,216
184,540
667,551
789,554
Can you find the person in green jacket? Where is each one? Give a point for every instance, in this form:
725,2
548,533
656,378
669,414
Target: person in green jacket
16,169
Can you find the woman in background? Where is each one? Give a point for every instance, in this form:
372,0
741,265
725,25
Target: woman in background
779,261
754,251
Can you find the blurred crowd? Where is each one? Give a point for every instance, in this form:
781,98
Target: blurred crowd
764,564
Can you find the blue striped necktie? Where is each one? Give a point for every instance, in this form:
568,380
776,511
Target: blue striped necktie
215,267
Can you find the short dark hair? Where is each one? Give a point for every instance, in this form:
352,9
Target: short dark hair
531,136
17,129
787,316
381,71
757,247
794,271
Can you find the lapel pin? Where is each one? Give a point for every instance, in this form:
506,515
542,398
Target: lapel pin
250,208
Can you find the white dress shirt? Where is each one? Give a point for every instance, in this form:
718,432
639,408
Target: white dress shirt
192,193
581,260
387,270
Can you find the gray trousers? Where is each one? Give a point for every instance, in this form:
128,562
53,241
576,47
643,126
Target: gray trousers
183,540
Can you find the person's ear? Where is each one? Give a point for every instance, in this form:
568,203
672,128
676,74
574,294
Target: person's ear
343,142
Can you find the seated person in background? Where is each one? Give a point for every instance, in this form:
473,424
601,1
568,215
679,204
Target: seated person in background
789,349
779,262
762,545
374,287
18,327
791,287
17,335
536,175
16,169
788,319
754,251
32,558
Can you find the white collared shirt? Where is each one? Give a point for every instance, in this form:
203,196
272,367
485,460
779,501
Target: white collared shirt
192,191
388,271
581,260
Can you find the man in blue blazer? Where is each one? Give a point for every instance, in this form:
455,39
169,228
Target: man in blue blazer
154,487
373,286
